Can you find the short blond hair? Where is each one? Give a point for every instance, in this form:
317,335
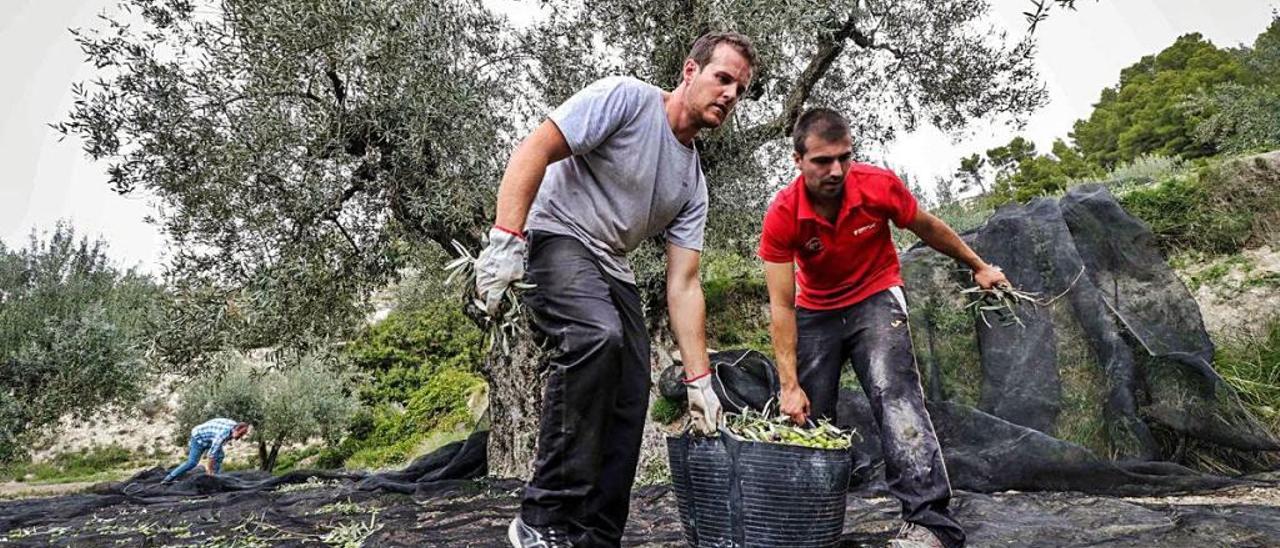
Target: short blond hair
705,46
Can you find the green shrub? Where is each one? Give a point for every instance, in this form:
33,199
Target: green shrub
383,456
1241,119
333,457
421,362
1145,170
737,302
665,411
336,456
359,430
1216,208
389,428
406,349
74,329
960,215
390,433
1183,214
289,461
442,402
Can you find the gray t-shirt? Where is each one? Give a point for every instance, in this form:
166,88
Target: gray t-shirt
628,179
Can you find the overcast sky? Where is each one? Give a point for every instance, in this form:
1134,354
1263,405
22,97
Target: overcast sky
45,180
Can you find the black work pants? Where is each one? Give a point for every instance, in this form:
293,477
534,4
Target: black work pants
596,394
874,336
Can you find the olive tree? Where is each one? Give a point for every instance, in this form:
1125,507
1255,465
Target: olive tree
73,334
296,151
302,152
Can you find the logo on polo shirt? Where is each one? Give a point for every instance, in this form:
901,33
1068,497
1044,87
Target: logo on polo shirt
814,244
860,230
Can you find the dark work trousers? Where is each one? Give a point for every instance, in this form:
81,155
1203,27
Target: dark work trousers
596,395
874,336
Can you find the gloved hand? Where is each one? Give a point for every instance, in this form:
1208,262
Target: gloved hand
498,266
704,405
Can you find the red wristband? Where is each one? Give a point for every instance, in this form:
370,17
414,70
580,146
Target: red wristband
509,231
687,381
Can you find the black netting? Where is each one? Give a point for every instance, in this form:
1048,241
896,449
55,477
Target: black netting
1068,402
296,509
1121,351
1020,380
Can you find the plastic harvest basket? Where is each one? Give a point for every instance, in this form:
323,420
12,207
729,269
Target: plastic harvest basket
737,493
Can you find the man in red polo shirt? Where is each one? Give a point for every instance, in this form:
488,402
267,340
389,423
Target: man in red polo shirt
827,234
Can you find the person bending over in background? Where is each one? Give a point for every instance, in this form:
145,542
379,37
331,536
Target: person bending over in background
828,233
209,437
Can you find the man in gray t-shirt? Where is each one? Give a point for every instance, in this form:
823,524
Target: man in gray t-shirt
629,178
613,166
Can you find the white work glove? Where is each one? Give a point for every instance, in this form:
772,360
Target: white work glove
498,266
704,405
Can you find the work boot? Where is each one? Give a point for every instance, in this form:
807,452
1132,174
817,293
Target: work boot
915,536
523,535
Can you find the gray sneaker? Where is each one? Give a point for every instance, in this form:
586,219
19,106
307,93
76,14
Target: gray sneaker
915,536
522,535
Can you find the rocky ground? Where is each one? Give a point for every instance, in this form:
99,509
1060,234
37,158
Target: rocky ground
1235,292
336,512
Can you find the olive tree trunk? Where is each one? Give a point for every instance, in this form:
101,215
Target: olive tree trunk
515,405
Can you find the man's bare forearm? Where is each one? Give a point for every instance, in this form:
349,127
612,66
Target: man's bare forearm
936,234
782,330
688,309
519,186
781,281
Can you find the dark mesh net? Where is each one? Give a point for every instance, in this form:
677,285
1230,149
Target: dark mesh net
1119,352
1078,398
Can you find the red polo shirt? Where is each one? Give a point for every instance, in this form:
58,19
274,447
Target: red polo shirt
839,265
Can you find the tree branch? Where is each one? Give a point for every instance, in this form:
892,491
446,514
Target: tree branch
296,94
1041,12
829,48
868,41
331,214
334,219
339,88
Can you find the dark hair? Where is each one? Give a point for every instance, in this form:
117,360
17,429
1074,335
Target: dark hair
241,426
828,124
705,46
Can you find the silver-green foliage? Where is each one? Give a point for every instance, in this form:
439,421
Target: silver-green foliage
1142,171
288,400
1244,116
73,334
295,149
761,427
889,66
301,152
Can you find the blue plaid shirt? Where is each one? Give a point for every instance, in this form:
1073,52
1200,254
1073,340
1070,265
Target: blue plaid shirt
211,435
